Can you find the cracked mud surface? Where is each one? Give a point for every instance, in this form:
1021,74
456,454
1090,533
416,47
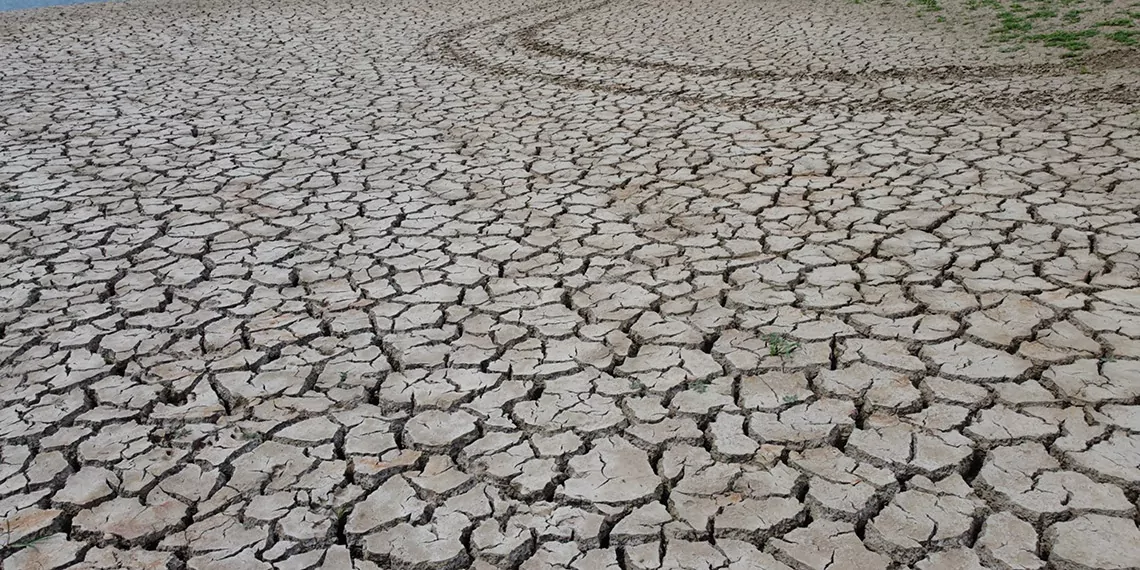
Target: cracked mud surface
637,285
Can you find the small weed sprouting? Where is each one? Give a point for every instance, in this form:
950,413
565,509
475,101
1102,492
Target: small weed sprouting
927,5
18,545
790,399
636,385
1072,16
1126,37
701,387
1042,14
780,346
30,543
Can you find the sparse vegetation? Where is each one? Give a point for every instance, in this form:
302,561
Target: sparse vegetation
1058,24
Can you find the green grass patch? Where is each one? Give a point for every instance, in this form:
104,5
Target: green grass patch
1072,16
1126,37
1042,14
1058,39
1010,22
1074,42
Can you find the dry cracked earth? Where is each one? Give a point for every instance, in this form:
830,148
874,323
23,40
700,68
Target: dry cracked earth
723,284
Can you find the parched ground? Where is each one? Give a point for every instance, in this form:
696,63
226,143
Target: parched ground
631,284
